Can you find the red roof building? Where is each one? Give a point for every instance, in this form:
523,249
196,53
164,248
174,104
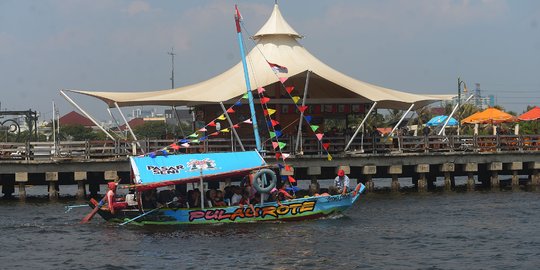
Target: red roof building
132,123
75,118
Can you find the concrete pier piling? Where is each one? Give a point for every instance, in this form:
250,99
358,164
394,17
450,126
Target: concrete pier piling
471,169
80,178
52,179
395,171
494,168
21,178
448,169
534,178
422,183
369,171
514,167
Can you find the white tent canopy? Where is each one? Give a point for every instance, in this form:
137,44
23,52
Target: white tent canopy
276,43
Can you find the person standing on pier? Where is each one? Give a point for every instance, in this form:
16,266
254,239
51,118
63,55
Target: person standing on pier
341,184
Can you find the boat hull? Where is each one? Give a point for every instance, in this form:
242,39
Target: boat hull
290,210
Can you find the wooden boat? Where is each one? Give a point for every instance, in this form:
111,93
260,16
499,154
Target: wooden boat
155,172
152,172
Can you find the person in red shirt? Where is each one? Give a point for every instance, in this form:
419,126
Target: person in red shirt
111,200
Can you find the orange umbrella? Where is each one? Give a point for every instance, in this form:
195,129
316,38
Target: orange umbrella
533,114
489,115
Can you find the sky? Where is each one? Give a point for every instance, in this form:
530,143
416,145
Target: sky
418,46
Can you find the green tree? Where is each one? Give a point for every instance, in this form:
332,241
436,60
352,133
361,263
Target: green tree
78,133
153,130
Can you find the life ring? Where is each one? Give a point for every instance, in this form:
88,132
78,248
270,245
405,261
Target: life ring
259,182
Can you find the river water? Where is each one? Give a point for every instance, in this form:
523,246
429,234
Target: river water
454,230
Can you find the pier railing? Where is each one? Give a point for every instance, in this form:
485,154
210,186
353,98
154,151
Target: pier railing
309,146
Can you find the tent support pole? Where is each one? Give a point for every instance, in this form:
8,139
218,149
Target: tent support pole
86,114
178,121
360,126
401,120
299,135
115,122
452,114
232,126
129,127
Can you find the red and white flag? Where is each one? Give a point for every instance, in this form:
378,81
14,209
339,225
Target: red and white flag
278,68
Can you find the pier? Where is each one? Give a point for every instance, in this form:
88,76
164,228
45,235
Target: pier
481,159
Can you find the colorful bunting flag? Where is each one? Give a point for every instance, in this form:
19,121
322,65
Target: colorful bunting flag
214,134
302,108
194,135
288,168
195,141
260,90
184,141
221,117
319,136
238,103
289,89
245,96
291,179
282,79
225,130
248,121
325,146
282,145
174,146
280,166
314,127
278,133
236,126
308,118
274,123
271,111
186,145
285,156
275,145
203,138
203,130
152,155
265,100
278,68
272,134
296,99
278,155
230,110
329,157
212,124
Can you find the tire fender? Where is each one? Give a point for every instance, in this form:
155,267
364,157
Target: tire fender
259,184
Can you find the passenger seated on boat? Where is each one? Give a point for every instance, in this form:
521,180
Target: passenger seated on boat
112,201
194,198
149,199
237,196
246,200
218,201
341,184
165,196
210,198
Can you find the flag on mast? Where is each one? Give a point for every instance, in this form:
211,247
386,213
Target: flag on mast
278,68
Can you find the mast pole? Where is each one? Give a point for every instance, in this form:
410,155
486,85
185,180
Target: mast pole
238,18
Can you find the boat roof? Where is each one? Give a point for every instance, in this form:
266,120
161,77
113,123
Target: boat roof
158,171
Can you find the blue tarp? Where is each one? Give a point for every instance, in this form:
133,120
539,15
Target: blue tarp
439,121
164,169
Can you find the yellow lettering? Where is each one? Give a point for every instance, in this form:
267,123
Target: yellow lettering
307,206
294,208
282,210
269,210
